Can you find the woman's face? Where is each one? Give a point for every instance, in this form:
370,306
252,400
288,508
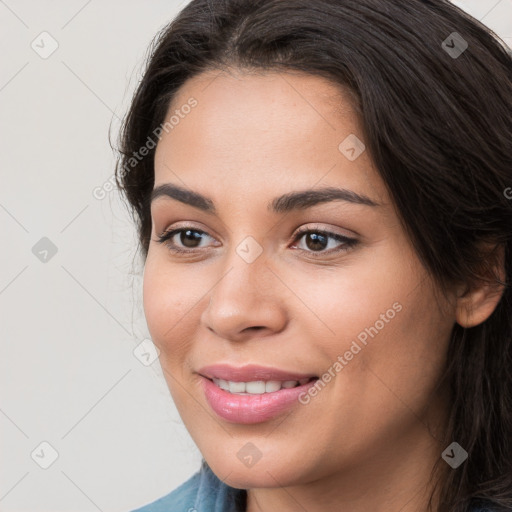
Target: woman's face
357,312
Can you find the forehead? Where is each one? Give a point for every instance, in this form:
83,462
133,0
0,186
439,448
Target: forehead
275,128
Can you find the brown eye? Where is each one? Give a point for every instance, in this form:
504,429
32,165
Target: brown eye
316,241
188,240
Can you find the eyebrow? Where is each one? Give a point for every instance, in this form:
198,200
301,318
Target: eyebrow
298,200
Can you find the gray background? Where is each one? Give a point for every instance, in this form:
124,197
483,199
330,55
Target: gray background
70,321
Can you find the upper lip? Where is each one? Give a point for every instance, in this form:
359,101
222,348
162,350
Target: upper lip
249,373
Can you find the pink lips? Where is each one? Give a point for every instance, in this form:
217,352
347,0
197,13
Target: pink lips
249,373
247,409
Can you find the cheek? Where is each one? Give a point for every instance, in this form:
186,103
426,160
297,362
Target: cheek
349,301
403,350
382,313
168,306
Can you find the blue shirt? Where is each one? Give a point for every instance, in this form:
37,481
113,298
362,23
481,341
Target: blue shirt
204,492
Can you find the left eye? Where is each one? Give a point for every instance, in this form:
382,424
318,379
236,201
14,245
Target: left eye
318,241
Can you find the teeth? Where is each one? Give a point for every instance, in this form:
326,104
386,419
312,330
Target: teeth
257,387
236,387
254,388
223,384
272,385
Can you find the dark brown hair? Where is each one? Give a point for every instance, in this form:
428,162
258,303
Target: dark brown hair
438,126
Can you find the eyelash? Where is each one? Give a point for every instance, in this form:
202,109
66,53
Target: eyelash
348,243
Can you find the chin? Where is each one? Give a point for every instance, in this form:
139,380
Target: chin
272,470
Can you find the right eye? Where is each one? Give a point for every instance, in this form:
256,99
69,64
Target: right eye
189,237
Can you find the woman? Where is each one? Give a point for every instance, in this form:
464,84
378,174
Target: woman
322,195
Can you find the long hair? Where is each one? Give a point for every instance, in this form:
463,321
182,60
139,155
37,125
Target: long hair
432,87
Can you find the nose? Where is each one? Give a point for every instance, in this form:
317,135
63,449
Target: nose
247,301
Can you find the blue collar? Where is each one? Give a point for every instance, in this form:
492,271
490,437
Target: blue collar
202,492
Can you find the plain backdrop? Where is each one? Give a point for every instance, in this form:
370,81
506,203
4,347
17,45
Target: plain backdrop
85,424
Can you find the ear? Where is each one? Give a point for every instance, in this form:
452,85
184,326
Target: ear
477,302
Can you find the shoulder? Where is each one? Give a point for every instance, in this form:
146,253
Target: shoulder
202,492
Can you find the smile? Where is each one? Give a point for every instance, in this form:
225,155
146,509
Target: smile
258,387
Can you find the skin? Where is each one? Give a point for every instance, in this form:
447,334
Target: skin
369,439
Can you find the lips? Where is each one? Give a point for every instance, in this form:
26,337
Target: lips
251,373
252,393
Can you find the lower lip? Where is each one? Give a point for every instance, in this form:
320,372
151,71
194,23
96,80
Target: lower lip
251,408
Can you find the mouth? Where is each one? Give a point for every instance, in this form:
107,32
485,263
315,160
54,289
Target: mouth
252,394
251,374
258,387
